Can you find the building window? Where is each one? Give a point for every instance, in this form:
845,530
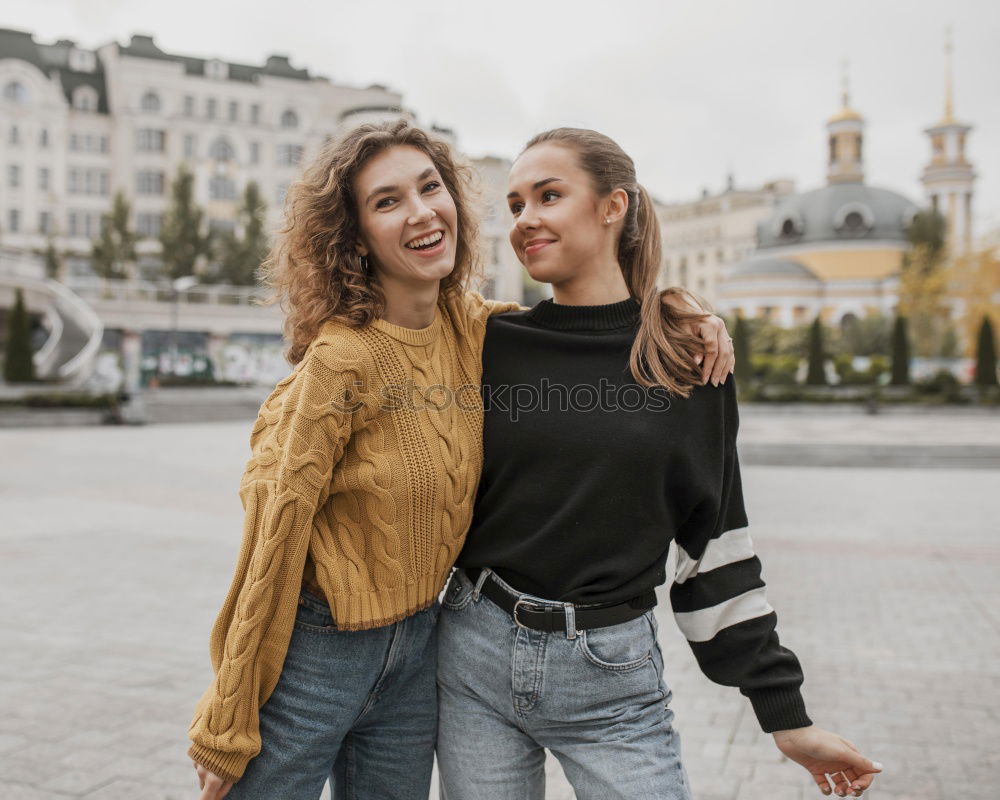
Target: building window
148,225
148,140
221,188
234,111
43,137
85,98
43,178
88,143
289,119
13,176
279,194
15,92
14,137
89,181
210,106
104,144
44,222
255,114
150,102
188,105
190,145
289,154
221,150
13,220
149,182
84,223
254,152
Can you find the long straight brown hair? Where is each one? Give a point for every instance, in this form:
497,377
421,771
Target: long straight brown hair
664,352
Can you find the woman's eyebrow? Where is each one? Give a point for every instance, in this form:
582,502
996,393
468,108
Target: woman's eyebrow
534,186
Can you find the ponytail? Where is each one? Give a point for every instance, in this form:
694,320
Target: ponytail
664,352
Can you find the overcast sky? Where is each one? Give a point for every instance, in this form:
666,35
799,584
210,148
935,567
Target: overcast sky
691,89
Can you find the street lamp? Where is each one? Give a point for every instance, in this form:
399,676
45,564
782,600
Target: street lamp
179,285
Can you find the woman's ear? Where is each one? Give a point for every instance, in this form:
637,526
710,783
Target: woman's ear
615,206
360,249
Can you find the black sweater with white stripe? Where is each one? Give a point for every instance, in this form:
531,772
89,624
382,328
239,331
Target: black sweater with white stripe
588,477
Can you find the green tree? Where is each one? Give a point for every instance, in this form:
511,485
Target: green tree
741,346
114,249
986,355
900,353
816,376
240,257
181,234
18,365
53,261
924,282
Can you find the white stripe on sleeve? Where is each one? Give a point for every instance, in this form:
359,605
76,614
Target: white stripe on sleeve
702,625
729,548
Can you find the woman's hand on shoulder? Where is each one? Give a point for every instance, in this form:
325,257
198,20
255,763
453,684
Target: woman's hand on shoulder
832,760
212,786
719,359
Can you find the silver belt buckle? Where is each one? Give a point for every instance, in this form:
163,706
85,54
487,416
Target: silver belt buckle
517,605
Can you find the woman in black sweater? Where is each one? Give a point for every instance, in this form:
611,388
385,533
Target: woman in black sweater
601,447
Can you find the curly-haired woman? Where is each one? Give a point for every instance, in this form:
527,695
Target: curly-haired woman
360,488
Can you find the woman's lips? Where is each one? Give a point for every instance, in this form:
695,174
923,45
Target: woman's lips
535,246
430,252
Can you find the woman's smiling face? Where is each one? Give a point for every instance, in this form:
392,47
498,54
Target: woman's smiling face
558,224
407,217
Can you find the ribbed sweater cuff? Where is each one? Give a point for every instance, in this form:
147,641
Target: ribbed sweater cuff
228,766
779,709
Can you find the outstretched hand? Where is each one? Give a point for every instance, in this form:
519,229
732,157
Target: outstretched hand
834,762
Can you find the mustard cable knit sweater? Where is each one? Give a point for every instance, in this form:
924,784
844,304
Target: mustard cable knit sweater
361,483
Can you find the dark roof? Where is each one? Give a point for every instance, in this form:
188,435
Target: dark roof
53,60
142,46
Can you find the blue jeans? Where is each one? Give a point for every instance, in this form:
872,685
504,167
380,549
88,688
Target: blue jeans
357,707
596,700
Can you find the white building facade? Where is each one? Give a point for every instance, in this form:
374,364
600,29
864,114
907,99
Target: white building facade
703,236
77,126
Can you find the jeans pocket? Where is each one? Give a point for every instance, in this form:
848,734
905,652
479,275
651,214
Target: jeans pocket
313,615
459,592
618,648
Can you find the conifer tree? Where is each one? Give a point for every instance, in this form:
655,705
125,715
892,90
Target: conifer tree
114,249
18,365
986,355
816,376
181,233
900,353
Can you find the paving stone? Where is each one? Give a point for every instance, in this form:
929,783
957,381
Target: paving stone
885,582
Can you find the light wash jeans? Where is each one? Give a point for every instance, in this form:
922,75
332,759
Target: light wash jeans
358,707
597,701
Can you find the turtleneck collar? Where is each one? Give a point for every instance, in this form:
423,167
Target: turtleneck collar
614,316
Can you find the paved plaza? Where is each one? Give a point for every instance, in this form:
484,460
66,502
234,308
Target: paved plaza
117,545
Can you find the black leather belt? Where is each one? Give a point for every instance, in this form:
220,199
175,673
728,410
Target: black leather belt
551,618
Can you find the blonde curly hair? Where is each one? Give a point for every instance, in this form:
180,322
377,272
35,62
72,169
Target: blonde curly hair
313,269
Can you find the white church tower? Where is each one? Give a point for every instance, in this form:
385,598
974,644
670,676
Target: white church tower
949,179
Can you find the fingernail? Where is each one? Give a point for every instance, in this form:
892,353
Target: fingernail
877,765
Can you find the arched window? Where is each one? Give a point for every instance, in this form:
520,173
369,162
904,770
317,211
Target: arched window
221,150
150,102
854,219
16,92
289,119
85,98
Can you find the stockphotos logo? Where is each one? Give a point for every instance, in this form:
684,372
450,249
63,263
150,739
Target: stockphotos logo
513,399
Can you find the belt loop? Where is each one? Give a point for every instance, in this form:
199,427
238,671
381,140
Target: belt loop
479,583
570,620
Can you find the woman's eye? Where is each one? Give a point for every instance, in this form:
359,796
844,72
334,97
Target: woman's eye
549,195
430,187
385,202
515,208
